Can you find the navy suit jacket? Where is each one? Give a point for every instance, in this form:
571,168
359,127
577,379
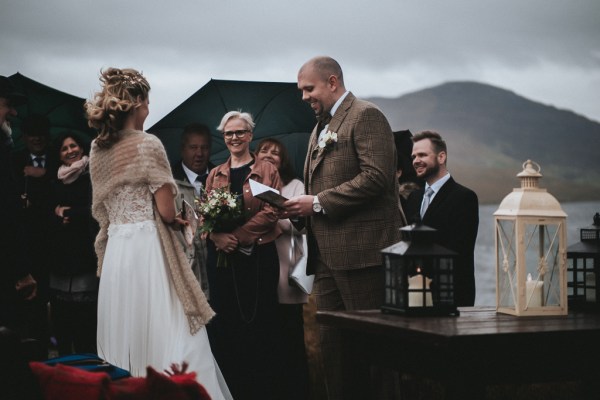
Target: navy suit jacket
454,212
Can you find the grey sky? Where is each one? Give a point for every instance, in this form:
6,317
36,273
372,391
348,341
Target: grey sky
545,50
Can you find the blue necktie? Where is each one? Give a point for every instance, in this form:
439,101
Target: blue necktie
426,200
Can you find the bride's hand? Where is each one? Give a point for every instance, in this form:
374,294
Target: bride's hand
226,242
180,221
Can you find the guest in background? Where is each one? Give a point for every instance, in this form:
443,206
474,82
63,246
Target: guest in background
16,283
34,168
450,208
245,332
190,175
407,178
73,281
291,298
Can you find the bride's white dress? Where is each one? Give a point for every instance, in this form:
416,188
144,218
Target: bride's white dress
141,321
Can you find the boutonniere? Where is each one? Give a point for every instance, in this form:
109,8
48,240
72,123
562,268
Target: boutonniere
327,141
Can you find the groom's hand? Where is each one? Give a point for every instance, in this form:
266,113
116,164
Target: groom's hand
299,206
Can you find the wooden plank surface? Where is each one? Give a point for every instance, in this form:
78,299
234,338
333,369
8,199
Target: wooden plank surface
471,322
478,346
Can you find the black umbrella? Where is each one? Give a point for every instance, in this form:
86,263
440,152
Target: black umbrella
277,108
65,111
404,145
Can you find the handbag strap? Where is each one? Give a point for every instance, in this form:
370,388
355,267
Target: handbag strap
292,246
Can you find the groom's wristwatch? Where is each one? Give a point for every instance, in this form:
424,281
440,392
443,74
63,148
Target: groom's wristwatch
317,208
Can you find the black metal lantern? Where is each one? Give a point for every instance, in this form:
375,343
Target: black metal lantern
419,275
582,269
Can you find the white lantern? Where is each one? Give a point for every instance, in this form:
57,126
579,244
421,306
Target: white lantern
530,250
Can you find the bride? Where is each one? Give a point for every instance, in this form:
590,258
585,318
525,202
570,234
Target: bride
151,310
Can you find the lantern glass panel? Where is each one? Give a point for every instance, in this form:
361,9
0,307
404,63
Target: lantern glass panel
419,284
581,278
443,281
507,262
542,262
540,247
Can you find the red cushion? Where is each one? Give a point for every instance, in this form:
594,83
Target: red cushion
177,387
62,382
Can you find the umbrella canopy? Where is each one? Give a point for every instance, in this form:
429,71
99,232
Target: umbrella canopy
277,109
65,111
404,145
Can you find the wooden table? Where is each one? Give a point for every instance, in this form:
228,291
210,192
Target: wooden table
468,352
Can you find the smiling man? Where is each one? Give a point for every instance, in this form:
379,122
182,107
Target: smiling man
190,175
351,201
450,208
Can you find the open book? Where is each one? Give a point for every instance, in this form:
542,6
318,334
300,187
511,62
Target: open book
267,194
188,214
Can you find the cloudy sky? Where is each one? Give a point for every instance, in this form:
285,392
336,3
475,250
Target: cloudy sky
545,50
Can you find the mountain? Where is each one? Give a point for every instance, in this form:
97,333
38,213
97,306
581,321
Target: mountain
490,132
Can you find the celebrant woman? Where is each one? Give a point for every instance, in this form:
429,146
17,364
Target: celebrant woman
151,309
245,332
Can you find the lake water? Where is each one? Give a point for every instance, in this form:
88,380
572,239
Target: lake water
579,215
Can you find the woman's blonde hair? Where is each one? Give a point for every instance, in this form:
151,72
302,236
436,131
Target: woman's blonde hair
122,90
244,116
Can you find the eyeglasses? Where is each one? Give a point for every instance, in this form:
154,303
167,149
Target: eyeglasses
238,134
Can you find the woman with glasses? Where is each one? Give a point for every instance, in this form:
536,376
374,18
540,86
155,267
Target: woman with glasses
245,334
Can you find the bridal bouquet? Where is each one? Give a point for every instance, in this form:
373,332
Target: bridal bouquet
221,211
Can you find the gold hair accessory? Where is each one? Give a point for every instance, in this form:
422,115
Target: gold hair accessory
131,81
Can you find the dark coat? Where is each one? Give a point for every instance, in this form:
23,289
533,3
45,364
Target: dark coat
35,218
73,243
11,267
38,190
454,212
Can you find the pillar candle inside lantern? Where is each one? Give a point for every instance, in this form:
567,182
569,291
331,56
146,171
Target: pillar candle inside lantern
534,293
419,282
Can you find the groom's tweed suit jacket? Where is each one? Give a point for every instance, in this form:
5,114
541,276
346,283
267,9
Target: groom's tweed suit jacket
356,185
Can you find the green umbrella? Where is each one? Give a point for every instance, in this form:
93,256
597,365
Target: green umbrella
277,109
65,111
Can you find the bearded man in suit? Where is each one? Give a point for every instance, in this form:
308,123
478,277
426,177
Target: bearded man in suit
450,208
351,201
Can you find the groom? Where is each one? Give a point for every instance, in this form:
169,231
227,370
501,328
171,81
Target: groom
351,201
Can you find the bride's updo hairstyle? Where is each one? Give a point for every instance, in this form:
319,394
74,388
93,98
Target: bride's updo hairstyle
122,91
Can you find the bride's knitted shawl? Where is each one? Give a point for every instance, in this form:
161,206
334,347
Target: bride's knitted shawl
140,157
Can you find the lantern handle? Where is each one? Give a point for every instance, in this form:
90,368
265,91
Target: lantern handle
531,167
530,174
